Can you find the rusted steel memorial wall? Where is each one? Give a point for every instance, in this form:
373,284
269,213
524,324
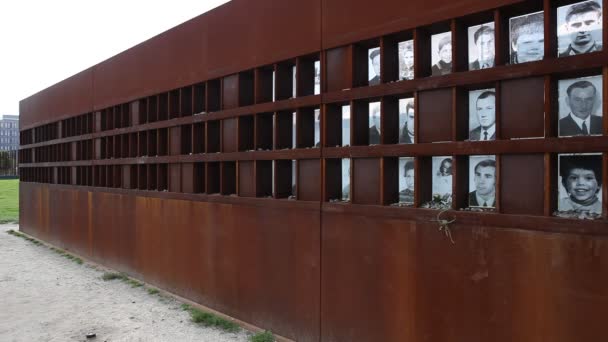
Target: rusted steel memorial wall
289,163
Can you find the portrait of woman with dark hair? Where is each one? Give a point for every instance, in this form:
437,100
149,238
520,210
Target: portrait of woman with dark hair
581,179
406,180
442,178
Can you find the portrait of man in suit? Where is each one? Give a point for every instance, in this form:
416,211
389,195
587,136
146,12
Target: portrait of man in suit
484,182
527,38
582,30
374,123
374,72
580,100
481,49
406,121
482,110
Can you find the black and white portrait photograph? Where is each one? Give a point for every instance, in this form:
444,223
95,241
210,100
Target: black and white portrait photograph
406,180
293,81
317,77
293,130
374,123
346,125
482,115
374,66
579,28
441,53
442,178
345,179
317,127
482,181
580,106
481,46
527,38
580,183
406,121
406,60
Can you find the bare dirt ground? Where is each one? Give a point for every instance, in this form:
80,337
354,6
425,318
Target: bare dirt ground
45,297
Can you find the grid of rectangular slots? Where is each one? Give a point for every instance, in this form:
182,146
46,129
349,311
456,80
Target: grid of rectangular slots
244,135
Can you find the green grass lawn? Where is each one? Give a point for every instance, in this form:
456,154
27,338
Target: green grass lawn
9,200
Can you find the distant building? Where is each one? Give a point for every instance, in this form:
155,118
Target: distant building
9,133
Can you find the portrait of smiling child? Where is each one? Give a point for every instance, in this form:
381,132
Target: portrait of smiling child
581,181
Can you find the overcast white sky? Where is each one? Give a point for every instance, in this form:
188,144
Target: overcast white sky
45,41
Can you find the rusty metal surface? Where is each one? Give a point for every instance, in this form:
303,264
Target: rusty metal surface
261,265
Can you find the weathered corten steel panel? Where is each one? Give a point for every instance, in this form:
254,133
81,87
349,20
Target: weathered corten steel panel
69,97
404,281
345,21
257,264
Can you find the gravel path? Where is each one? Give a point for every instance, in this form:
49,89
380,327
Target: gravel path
46,297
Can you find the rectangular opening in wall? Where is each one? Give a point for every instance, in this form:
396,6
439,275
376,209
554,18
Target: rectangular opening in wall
133,178
337,180
186,136
152,108
152,177
228,178
186,101
263,174
213,136
174,104
199,98
152,143
246,129
284,130
308,127
308,75
214,93
126,115
367,63
110,146
133,145
283,178
246,88
143,111
435,117
264,84
162,177
163,106
264,123
337,125
366,181
118,117
143,177
143,144
246,178
163,141
366,122
308,173
213,177
117,146
199,178
284,80
117,176
125,146
198,137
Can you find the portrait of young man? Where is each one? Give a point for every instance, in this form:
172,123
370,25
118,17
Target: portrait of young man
580,106
579,28
482,181
482,115
441,45
481,46
406,180
374,123
527,37
406,60
374,71
406,121
580,183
